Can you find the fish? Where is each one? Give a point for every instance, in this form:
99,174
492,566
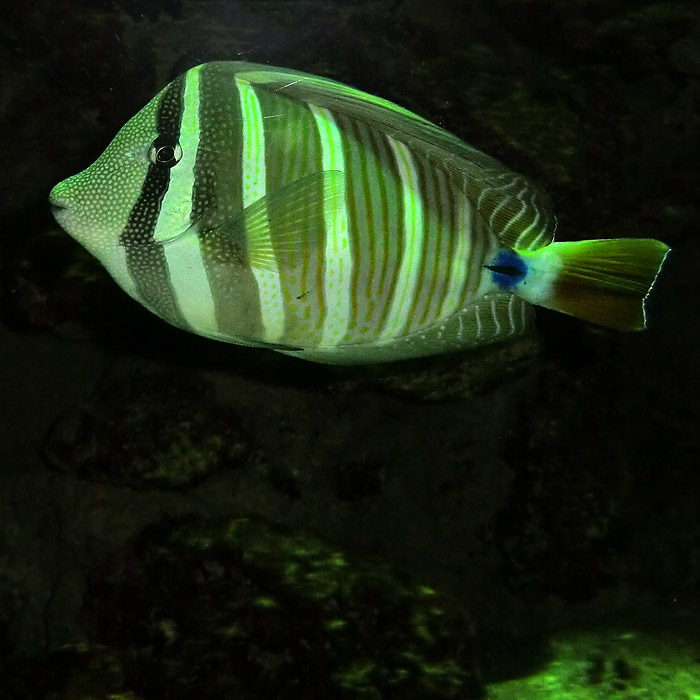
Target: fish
272,208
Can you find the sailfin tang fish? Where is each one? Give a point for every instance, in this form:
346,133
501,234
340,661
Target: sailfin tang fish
272,208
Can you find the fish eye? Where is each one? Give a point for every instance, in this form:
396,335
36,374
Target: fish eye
165,152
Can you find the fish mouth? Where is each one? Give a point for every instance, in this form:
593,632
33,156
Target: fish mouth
62,213
57,203
59,206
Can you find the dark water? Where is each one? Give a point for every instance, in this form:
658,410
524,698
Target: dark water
517,523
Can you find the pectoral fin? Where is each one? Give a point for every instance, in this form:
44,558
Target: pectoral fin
282,221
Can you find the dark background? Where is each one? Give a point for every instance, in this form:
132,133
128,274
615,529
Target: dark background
542,484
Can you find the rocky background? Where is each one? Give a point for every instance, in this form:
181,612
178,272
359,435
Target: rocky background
186,519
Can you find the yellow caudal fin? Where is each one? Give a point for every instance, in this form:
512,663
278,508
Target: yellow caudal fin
602,281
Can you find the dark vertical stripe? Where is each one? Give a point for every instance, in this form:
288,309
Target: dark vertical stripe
435,232
217,197
146,263
451,214
479,234
292,152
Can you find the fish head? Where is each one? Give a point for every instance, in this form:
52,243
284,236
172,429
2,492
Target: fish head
116,201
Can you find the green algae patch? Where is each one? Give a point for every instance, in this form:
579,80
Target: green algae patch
612,664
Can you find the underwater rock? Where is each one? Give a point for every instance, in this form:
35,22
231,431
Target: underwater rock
155,432
240,608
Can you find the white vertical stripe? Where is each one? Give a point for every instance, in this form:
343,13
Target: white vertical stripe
174,217
494,212
377,224
407,281
516,216
460,330
494,313
254,188
519,241
337,274
190,284
487,190
511,317
116,265
442,253
186,270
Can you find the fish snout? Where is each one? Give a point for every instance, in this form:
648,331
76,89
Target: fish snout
57,200
62,207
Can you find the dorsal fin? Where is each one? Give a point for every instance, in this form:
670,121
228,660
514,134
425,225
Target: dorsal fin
517,211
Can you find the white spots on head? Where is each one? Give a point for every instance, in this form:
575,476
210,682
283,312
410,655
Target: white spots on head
101,197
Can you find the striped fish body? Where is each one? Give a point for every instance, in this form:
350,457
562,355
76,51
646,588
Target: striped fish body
272,208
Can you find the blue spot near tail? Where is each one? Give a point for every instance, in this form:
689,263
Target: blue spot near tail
507,270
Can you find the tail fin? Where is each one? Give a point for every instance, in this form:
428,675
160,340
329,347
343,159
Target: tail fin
602,281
